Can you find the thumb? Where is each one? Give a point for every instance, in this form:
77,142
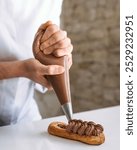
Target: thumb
52,69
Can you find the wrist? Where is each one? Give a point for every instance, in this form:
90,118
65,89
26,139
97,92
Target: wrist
25,65
11,69
20,68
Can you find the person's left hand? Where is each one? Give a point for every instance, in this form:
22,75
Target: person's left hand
54,41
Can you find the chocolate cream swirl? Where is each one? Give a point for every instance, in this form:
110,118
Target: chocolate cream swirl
84,128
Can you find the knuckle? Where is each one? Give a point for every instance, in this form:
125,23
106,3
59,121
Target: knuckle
62,33
52,28
71,47
61,44
69,41
65,33
54,38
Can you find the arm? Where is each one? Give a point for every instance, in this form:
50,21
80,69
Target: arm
29,68
11,69
54,41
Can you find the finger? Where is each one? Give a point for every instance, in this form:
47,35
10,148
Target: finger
59,45
63,51
36,43
43,81
44,26
51,70
51,29
56,37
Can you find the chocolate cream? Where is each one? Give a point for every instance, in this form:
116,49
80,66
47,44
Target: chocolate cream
84,128
58,81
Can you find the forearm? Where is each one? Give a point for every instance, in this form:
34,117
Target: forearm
11,69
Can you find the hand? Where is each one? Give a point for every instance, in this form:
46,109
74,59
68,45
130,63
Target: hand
36,71
50,39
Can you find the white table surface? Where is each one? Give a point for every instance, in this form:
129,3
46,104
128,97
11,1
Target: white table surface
34,136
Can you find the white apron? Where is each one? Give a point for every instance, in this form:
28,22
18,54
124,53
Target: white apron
19,21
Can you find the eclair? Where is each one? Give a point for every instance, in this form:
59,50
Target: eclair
83,131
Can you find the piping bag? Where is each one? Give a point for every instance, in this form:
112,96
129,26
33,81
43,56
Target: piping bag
60,83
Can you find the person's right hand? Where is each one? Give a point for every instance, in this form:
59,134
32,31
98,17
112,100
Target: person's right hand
50,39
35,71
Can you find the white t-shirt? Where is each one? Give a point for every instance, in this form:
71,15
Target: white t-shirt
19,21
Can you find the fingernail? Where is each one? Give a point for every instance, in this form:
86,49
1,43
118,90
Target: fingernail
41,47
59,53
60,69
46,52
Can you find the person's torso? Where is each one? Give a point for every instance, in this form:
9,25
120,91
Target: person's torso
19,21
